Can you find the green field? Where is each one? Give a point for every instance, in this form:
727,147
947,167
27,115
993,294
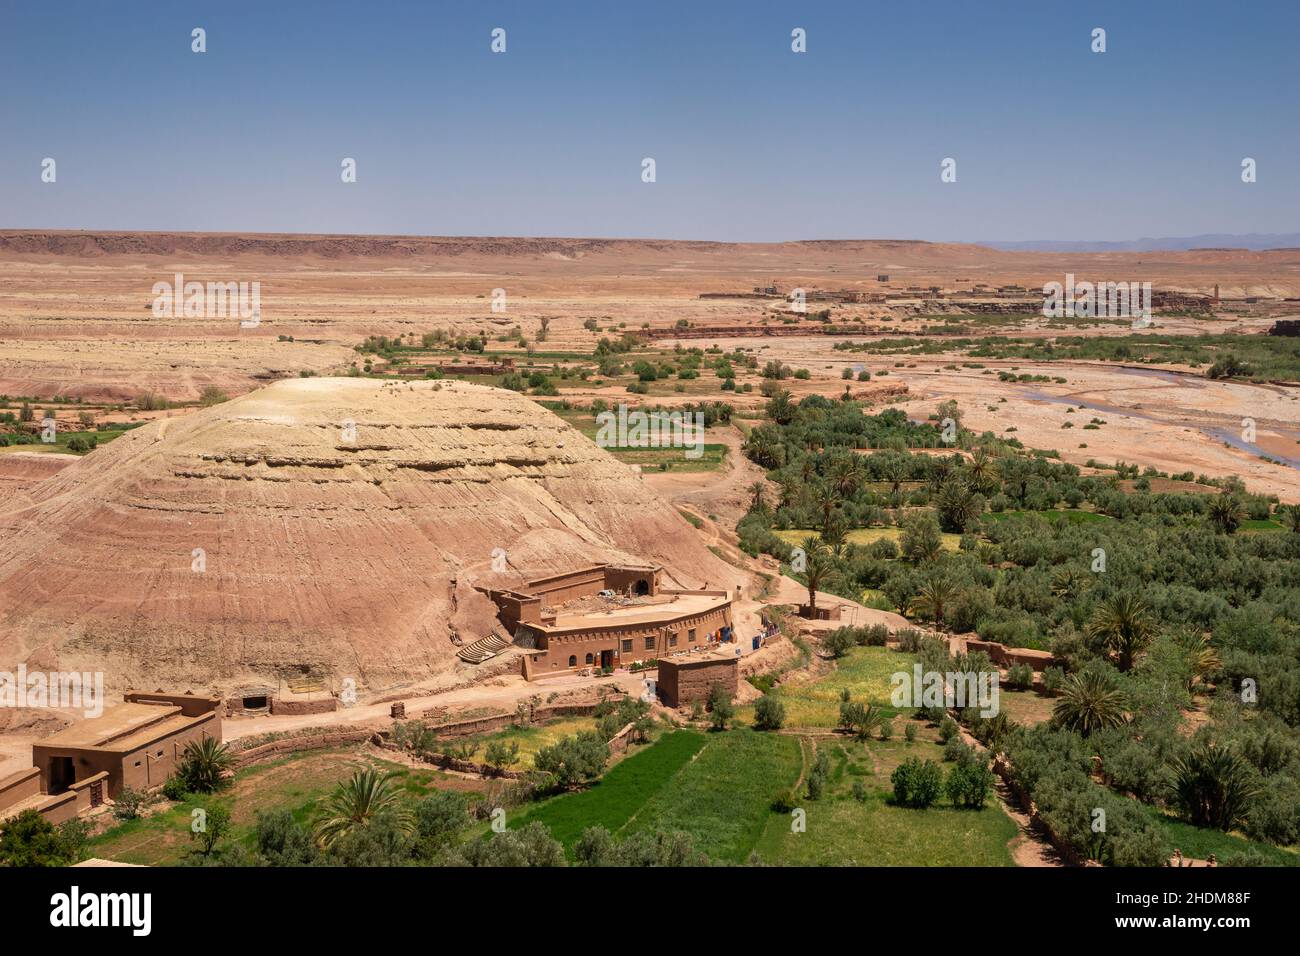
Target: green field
717,787
841,830
297,783
864,536
864,671
619,794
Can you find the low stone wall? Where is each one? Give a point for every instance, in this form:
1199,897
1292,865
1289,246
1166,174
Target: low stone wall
326,705
487,725
19,786
1002,767
316,741
1005,656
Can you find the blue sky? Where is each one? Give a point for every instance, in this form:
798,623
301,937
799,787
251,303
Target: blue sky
751,141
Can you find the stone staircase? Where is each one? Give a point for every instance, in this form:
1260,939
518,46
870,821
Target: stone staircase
483,649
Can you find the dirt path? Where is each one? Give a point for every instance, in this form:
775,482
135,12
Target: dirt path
505,696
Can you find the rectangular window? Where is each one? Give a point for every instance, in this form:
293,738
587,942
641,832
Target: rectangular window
649,643
672,640
690,635
627,646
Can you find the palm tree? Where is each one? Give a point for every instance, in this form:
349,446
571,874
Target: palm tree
1292,513
827,499
1226,512
958,507
1201,657
936,595
204,764
1067,581
817,569
1213,786
1124,625
758,496
845,475
357,801
980,470
1088,703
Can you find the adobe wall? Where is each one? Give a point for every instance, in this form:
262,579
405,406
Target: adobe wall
313,741
191,705
325,705
1005,656
17,787
145,767
681,684
648,642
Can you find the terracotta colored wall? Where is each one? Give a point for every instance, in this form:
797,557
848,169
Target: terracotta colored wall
682,684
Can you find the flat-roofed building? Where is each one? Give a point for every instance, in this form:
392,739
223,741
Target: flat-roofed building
608,616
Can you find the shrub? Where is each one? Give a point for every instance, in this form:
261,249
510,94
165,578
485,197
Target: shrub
1020,676
769,713
129,802
948,729
916,784
909,732
969,785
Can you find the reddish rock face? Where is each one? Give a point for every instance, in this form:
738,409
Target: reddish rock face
334,525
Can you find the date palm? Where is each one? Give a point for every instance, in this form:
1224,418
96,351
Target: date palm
1123,623
1291,513
1226,513
357,801
1088,703
1213,786
204,764
818,567
935,598
758,496
1200,655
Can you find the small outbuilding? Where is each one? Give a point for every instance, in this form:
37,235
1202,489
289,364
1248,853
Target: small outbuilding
688,678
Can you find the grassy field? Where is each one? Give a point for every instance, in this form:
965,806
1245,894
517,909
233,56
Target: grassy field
717,787
297,783
713,454
864,671
618,795
723,798
533,739
864,536
844,831
1199,843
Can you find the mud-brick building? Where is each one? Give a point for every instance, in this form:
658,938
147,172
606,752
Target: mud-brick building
687,678
136,744
608,616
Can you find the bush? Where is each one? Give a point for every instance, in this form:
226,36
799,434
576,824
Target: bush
909,732
969,785
886,729
129,802
1020,676
1053,679
948,729
769,713
785,801
916,784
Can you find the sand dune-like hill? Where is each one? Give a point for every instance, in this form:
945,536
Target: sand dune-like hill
261,537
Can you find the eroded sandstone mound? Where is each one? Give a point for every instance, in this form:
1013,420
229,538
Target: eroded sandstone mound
333,525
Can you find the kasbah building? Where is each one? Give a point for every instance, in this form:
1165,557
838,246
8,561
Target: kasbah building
590,620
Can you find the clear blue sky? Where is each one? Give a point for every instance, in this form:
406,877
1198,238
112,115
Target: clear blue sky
752,141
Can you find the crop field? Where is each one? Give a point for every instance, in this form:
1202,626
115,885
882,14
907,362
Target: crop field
842,830
717,787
